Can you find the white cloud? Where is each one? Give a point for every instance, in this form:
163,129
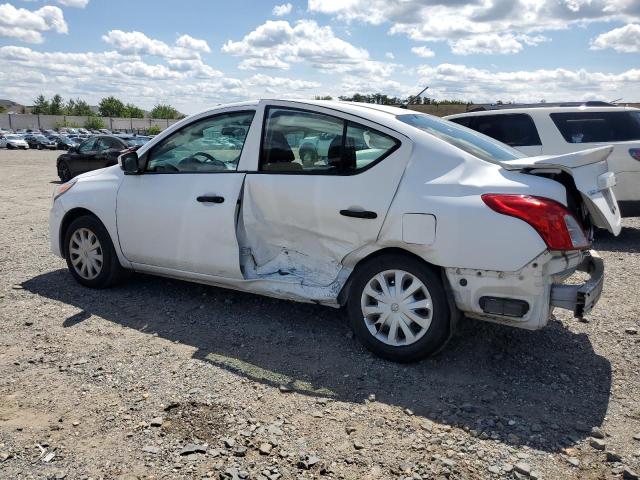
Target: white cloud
482,85
190,43
478,26
282,10
423,51
28,26
277,43
254,63
138,43
186,83
624,39
390,55
281,82
74,3
489,44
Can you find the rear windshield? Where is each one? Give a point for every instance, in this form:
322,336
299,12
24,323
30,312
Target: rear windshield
478,145
591,127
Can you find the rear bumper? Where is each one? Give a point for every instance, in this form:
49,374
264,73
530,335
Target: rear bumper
581,298
525,298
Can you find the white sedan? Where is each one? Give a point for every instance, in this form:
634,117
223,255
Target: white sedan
409,221
13,141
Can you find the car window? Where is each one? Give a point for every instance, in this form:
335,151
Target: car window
87,146
589,127
212,144
309,142
464,121
113,143
514,129
470,141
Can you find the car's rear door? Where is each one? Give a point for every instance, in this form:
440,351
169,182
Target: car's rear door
179,215
300,219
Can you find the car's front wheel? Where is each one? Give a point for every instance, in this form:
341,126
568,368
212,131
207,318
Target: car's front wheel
90,255
398,308
64,172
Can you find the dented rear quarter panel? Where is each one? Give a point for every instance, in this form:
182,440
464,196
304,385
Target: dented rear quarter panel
442,181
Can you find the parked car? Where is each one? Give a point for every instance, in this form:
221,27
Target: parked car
13,141
544,129
134,140
40,142
65,143
96,152
432,221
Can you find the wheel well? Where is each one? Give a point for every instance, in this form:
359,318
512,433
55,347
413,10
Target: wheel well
69,217
344,293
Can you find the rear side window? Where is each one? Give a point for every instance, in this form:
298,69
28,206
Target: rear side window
480,146
514,129
464,121
301,141
590,127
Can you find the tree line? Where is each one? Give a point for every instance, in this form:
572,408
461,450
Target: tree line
108,107
382,99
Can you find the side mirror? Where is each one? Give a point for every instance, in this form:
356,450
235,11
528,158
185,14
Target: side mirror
131,163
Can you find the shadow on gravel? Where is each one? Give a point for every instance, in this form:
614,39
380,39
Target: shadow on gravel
627,241
550,383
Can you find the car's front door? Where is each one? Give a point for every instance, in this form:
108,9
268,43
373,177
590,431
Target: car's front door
300,218
180,214
80,159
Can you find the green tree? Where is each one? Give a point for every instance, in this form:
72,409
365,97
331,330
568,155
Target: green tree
40,105
164,111
55,105
94,123
131,111
2,109
111,107
154,130
323,97
78,107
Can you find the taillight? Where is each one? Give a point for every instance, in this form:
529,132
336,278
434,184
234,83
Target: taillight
553,222
635,153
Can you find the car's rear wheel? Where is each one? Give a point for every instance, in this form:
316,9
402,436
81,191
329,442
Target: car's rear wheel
90,255
64,172
9,146
398,308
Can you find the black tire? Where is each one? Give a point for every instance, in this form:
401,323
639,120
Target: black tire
437,333
9,146
111,271
64,172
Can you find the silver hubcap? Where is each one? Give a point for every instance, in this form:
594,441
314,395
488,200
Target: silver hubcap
397,307
86,253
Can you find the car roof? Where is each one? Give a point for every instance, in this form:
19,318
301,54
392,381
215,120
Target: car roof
544,110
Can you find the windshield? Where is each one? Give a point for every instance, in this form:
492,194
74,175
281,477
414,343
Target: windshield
134,141
14,137
478,145
42,138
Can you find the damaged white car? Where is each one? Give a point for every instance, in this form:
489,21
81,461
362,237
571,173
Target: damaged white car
406,219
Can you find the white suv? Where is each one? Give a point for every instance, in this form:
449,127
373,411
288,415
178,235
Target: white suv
542,129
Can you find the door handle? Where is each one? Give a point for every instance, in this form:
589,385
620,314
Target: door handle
210,199
359,214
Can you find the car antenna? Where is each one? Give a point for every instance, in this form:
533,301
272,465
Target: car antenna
412,99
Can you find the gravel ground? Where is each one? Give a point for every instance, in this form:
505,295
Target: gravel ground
165,379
